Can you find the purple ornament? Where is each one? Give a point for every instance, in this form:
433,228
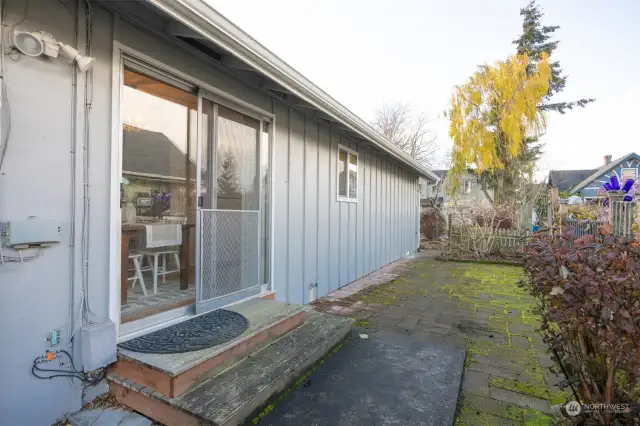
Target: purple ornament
615,183
608,187
627,198
162,203
627,185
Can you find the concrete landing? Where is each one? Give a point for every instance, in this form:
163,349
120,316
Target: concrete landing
385,379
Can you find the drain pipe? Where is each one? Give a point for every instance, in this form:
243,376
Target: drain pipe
313,292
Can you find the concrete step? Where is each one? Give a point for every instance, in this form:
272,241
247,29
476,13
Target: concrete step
233,395
174,374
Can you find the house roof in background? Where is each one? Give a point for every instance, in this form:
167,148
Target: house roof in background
443,173
567,179
605,168
153,154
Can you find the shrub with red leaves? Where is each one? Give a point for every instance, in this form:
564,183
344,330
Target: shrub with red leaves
502,219
588,293
432,224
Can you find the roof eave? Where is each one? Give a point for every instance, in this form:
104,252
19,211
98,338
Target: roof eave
209,23
600,171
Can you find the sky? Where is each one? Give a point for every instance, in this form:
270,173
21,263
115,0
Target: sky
366,52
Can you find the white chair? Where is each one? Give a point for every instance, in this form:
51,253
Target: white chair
136,258
163,242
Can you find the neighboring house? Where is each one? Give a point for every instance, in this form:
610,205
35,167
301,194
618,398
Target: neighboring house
180,101
588,182
470,191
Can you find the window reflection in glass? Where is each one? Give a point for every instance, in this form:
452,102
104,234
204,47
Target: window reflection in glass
342,173
158,158
353,176
238,161
265,203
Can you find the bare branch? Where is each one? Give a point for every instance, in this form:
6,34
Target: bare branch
411,134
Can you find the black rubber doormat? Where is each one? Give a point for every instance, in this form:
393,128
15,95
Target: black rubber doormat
197,333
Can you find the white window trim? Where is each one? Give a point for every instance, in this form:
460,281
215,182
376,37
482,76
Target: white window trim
628,168
347,199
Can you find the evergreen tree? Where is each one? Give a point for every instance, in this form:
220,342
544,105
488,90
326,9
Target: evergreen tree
535,39
228,178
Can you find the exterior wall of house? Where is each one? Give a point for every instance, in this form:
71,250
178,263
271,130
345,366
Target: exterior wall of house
317,239
320,240
470,192
631,164
38,180
425,185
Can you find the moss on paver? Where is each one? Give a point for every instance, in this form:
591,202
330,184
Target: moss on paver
470,417
361,322
497,319
381,295
539,389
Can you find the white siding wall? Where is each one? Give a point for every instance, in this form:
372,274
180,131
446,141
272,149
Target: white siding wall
317,238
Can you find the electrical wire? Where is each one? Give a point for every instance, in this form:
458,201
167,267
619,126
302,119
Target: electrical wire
89,379
5,110
5,125
86,205
72,186
21,258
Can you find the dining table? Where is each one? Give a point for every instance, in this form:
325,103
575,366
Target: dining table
134,230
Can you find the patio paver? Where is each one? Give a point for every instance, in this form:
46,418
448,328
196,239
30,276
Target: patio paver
505,380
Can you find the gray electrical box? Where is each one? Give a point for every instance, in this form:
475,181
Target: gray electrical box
98,345
32,232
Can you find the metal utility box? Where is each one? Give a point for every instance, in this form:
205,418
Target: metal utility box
32,232
98,345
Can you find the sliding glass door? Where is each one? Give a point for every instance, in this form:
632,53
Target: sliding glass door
157,192
232,205
194,198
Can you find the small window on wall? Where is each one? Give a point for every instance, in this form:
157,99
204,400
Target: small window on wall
466,185
347,174
629,174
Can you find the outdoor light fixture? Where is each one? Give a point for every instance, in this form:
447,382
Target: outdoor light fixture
36,43
39,43
83,62
29,44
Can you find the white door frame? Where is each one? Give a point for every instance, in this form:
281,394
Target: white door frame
119,51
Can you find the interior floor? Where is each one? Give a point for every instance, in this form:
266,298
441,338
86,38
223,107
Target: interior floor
169,296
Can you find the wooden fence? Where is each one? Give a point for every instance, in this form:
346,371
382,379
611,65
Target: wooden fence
477,240
583,227
504,241
623,215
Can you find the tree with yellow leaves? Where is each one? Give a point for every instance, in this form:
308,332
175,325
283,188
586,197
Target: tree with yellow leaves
492,115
